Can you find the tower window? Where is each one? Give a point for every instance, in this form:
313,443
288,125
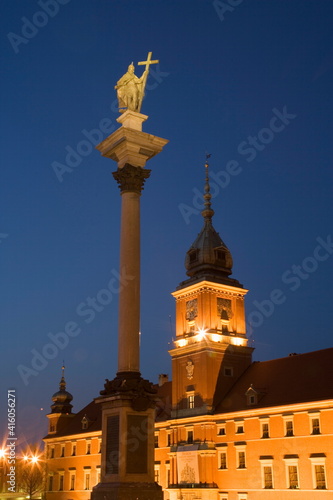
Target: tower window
228,372
190,401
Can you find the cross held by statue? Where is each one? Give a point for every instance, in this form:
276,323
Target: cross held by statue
148,62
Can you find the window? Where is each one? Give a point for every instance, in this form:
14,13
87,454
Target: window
62,453
61,482
74,450
52,427
156,440
268,477
315,424
264,430
223,460
169,439
267,471
289,428
51,482
189,437
87,481
293,476
88,448
52,452
240,429
99,446
228,372
320,477
222,431
72,482
157,473
241,460
190,401
318,470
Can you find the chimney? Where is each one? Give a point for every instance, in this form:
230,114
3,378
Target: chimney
162,378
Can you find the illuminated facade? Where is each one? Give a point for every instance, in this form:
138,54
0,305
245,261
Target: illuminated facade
226,428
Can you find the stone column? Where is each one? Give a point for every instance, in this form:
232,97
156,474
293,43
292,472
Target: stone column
130,180
128,401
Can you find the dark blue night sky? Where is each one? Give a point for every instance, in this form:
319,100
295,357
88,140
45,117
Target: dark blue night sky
249,82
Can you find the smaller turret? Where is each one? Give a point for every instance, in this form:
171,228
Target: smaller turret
61,408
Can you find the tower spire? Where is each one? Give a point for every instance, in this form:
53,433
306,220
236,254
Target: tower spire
207,212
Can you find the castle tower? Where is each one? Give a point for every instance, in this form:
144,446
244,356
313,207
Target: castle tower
61,409
211,348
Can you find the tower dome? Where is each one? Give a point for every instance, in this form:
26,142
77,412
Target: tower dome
62,399
208,256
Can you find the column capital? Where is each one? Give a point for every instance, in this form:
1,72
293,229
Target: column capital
131,179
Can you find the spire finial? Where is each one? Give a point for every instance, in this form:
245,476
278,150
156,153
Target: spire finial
207,213
62,384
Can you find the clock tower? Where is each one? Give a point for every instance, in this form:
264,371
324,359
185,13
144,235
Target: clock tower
211,348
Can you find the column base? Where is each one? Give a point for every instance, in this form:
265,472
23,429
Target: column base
127,491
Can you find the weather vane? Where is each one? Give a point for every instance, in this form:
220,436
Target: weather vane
131,89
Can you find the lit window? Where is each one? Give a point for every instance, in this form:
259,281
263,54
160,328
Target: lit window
223,460
268,477
320,477
318,468
157,474
98,474
293,476
87,481
190,401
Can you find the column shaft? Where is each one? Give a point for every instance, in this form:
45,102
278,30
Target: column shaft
129,297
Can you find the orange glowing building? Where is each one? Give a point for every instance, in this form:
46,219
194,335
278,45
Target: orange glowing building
226,428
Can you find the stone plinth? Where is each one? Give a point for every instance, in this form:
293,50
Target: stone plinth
128,417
